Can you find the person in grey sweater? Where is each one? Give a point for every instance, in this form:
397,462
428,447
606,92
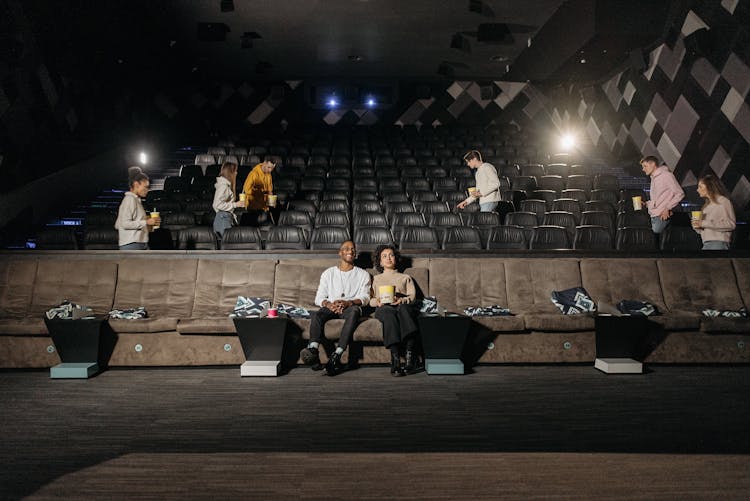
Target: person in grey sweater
132,223
487,184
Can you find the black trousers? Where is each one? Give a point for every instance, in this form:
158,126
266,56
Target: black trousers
319,318
398,323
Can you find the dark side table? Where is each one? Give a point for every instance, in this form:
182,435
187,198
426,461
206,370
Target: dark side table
262,341
443,339
77,344
618,339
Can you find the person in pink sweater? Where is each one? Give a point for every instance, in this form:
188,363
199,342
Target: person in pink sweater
718,220
665,193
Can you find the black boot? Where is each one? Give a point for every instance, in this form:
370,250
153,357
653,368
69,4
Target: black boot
396,369
412,362
310,357
334,367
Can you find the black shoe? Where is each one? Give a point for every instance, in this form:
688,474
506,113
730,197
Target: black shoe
311,357
334,366
396,369
412,362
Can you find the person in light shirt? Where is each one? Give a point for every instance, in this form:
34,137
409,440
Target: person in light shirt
342,291
132,223
718,220
487,183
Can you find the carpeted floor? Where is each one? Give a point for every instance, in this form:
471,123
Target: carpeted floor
501,431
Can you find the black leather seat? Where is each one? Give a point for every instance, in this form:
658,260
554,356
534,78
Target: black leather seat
549,237
328,237
452,197
461,238
561,218
432,207
174,184
507,237
199,207
635,239
286,237
525,219
441,221
401,220
395,196
606,182
547,195
391,185
523,183
393,208
164,206
212,172
610,196
335,205
366,206
242,238
298,218
312,183
576,194
536,170
338,184
535,205
362,219
568,205
580,182
444,184
197,238
561,170
369,185
175,221
598,218
368,238
423,196
387,172
100,238
190,171
417,184
285,184
590,237
481,219
418,237
633,219
600,206
309,206
554,183
332,218
677,238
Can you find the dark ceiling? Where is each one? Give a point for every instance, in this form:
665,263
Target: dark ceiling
536,40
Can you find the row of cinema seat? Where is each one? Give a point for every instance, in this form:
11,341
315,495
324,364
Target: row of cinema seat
189,297
455,238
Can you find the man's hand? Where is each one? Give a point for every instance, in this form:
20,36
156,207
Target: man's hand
461,205
476,194
665,215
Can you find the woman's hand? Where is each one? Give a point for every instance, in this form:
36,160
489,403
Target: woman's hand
153,221
696,224
476,194
396,301
461,205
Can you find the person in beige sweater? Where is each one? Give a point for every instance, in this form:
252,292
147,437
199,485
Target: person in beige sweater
132,223
718,219
398,317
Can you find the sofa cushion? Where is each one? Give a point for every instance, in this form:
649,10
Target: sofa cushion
678,320
612,280
693,285
159,324
530,283
501,324
297,281
458,283
206,325
89,283
219,283
725,325
166,287
16,286
29,326
557,322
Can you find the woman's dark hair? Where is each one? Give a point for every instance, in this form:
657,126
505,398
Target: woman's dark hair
379,251
714,188
135,175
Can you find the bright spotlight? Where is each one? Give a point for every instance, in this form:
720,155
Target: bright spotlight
332,102
143,158
568,141
370,102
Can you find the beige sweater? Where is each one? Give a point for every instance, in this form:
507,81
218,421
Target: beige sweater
718,221
403,283
131,220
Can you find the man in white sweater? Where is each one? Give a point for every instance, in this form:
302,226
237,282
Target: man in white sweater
487,183
342,292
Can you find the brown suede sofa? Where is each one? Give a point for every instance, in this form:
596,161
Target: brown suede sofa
189,295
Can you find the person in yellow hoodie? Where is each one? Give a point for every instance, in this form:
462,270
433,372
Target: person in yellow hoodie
258,185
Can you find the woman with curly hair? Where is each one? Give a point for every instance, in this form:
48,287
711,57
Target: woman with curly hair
718,221
399,325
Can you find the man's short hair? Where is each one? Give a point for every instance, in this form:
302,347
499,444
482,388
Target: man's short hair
270,158
472,155
649,158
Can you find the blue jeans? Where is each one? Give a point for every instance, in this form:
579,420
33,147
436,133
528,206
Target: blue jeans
657,225
222,222
487,206
715,245
134,246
